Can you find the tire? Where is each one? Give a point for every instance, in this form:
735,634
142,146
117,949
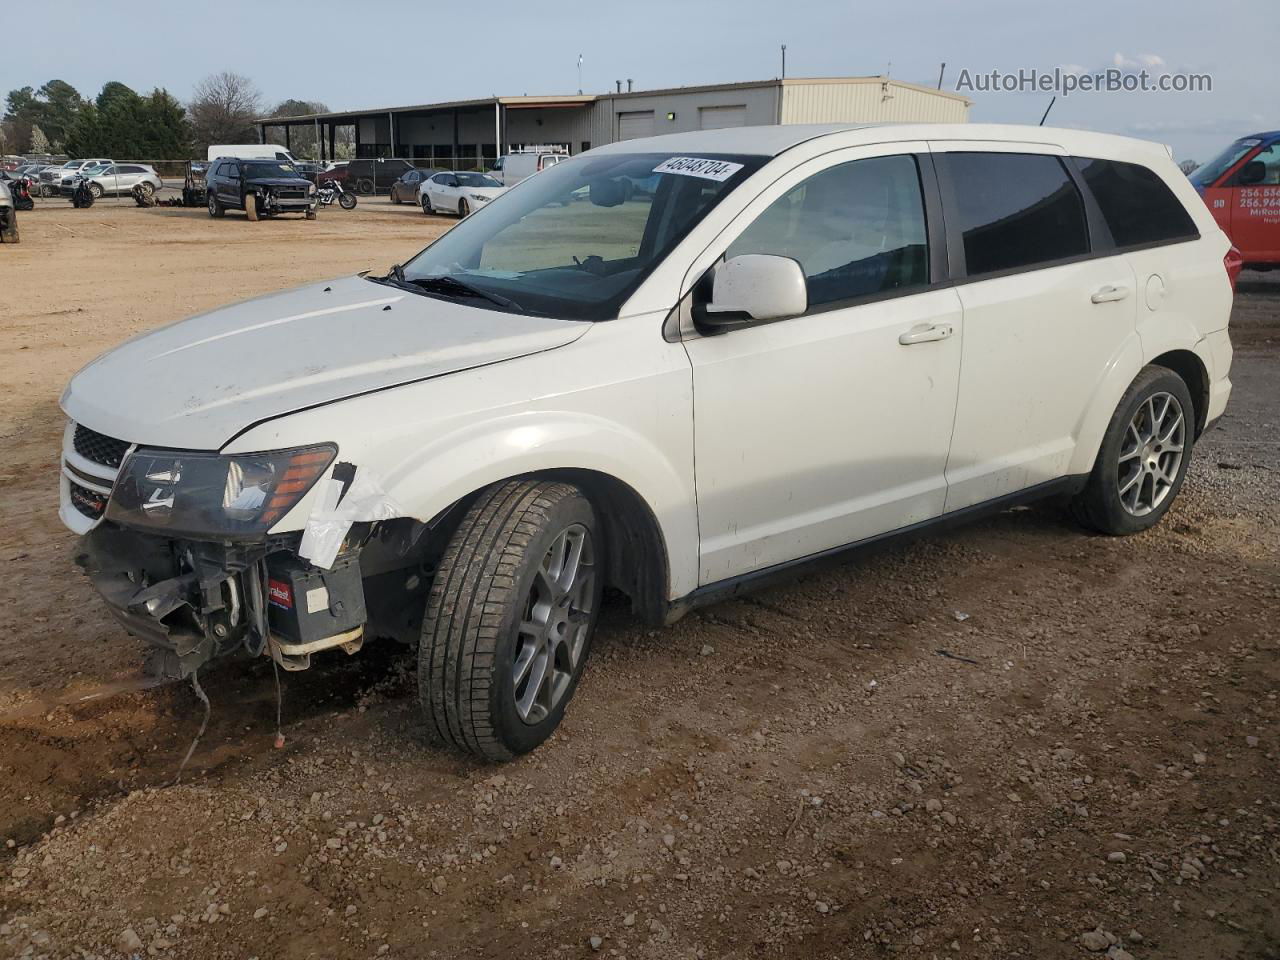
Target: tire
96,190
463,209
491,582
10,233
310,214
1137,474
427,208
148,188
347,201
251,206
395,195
364,187
216,209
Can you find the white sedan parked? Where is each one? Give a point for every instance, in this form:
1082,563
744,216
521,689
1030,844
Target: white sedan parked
458,192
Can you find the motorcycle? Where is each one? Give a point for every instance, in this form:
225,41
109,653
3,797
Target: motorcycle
82,197
20,189
329,190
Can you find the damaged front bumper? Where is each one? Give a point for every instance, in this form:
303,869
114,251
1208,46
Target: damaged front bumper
192,601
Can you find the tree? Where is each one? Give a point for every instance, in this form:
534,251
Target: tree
223,108
302,140
119,123
53,108
39,142
1188,166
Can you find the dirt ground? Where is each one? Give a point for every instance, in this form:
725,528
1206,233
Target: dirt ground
1014,740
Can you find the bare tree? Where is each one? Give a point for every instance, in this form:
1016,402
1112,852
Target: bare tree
1188,166
223,108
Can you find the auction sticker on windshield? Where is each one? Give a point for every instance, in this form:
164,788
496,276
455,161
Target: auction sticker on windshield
719,170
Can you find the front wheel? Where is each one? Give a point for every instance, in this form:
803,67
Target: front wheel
463,209
1144,456
347,201
509,618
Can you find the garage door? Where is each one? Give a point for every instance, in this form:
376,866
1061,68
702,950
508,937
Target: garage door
638,123
713,118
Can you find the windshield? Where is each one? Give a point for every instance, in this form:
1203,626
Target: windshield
1206,175
577,239
476,180
262,169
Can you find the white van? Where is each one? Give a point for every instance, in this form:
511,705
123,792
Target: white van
875,329
511,168
251,151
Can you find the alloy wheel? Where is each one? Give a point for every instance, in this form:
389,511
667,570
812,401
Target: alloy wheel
552,632
1151,454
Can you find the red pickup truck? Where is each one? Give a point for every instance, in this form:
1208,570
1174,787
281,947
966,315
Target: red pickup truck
1242,188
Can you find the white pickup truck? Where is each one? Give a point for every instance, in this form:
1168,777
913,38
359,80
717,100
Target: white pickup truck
675,367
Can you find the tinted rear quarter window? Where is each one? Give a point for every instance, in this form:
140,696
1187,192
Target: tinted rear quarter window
1015,210
1138,207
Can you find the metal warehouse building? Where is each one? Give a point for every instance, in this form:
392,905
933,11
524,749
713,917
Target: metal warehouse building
468,133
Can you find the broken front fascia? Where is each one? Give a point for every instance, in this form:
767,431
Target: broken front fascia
188,599
193,600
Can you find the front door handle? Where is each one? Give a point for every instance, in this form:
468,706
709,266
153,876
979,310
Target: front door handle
925,333
1110,293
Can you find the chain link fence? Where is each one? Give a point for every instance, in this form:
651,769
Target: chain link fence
366,177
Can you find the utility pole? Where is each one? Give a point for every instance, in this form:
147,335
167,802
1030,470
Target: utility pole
784,61
941,70
579,74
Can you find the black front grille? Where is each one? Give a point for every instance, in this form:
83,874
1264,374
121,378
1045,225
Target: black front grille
89,502
92,445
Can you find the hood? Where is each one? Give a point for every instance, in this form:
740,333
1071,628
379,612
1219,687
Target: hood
277,181
489,192
197,383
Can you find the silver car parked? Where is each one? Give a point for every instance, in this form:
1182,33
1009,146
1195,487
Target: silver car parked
115,178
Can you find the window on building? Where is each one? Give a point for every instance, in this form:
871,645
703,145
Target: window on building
1015,210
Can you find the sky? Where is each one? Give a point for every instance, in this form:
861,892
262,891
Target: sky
355,56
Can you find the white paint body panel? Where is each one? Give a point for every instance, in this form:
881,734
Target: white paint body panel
807,433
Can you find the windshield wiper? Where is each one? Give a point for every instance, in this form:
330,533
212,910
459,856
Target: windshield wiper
446,285
452,285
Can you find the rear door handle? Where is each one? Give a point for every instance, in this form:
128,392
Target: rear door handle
923,333
1110,293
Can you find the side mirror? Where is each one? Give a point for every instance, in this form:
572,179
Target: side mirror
756,287
1255,171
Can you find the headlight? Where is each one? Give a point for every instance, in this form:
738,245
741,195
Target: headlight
210,495
480,198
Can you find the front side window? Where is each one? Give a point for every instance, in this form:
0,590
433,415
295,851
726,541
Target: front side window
1137,205
857,230
1015,210
1267,172
578,239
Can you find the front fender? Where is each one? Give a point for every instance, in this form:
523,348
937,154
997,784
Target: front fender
453,465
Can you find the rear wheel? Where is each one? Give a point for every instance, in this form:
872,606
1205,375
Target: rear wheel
1144,456
395,194
147,188
9,233
96,190
509,618
364,187
216,209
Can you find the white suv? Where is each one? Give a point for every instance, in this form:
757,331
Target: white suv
671,366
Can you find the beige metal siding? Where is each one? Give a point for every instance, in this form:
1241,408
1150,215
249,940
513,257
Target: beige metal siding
868,101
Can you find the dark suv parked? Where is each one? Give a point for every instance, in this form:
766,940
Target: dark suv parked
259,188
369,176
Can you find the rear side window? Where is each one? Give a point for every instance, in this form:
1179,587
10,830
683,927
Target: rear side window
1137,205
857,230
1015,210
